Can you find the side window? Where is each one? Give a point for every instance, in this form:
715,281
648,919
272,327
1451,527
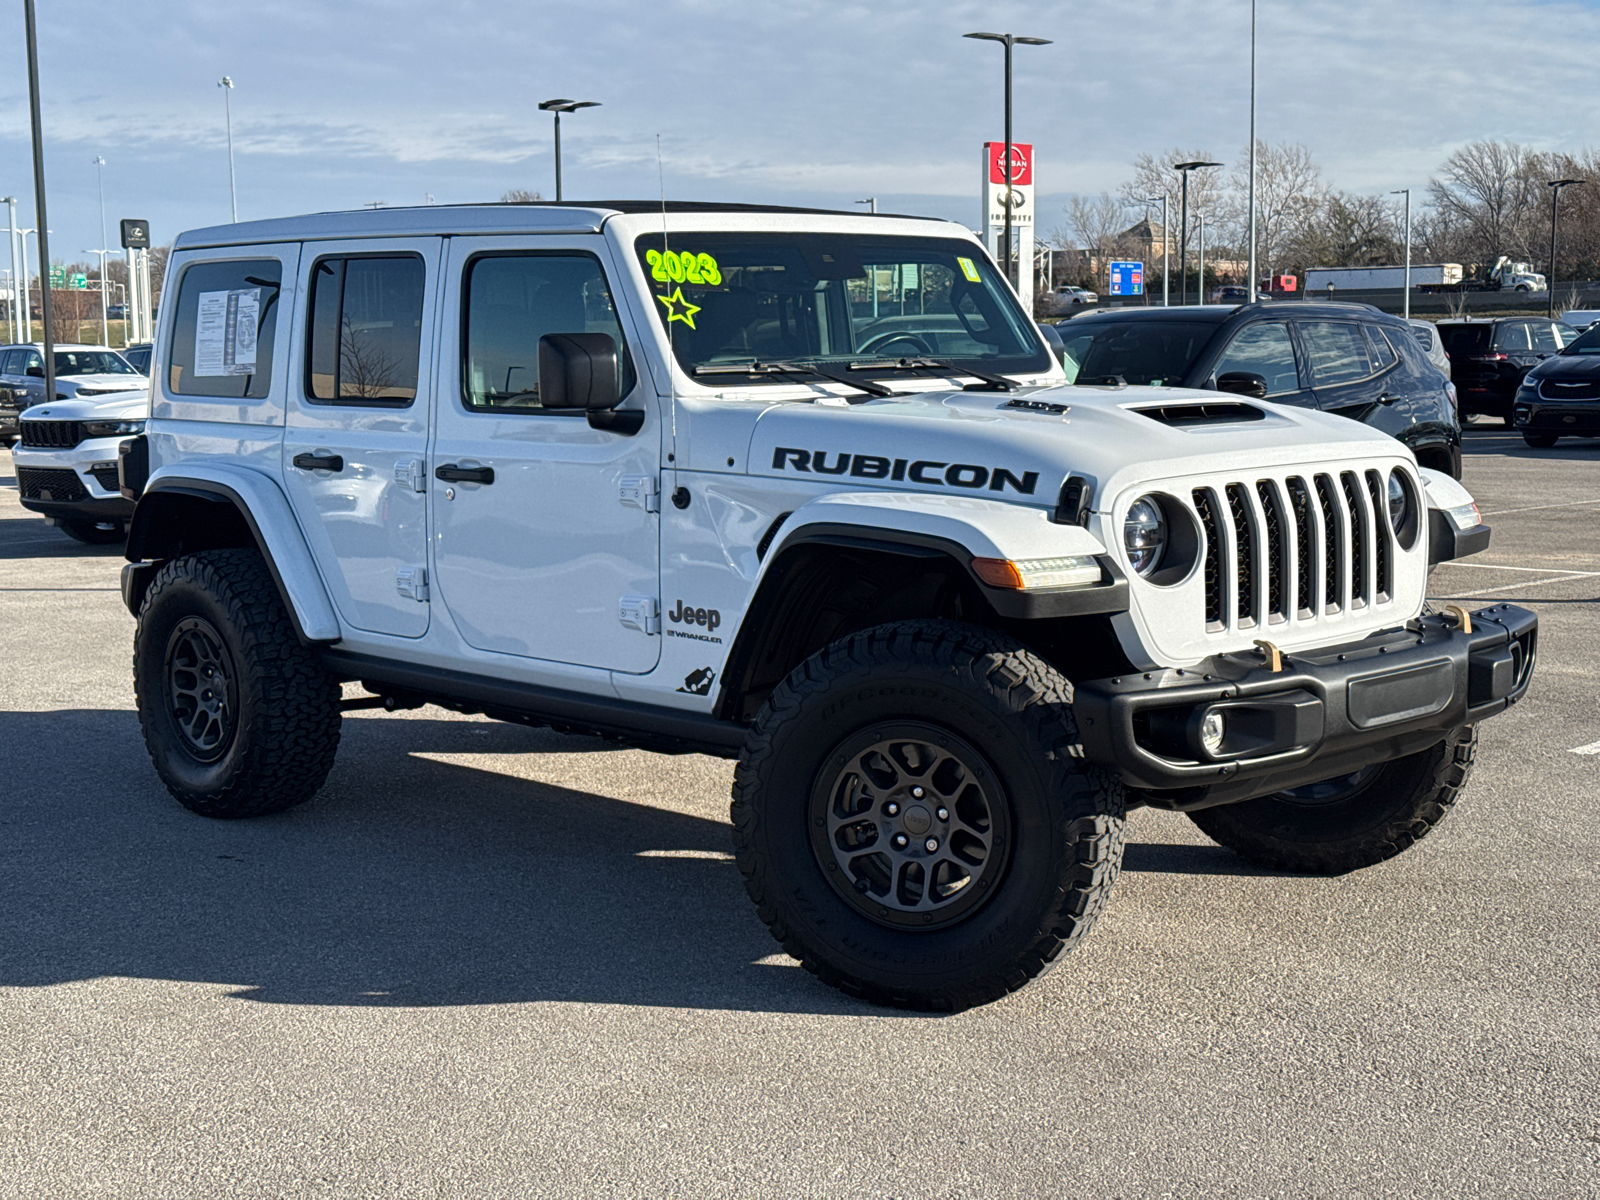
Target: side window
1513,335
365,330
1544,337
223,332
1337,352
1383,354
11,363
1266,350
32,361
1565,334
515,299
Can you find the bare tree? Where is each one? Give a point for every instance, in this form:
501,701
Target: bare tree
1290,198
367,369
1487,192
1351,231
519,196
1157,176
1097,224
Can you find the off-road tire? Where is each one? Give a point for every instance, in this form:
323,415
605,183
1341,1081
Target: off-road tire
1396,807
1540,441
95,533
990,694
284,706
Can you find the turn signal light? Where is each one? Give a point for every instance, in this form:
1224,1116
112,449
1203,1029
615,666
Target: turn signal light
1031,573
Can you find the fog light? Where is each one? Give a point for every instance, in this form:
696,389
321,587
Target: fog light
1212,730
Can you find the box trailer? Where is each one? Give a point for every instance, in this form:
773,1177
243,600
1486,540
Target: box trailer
1424,277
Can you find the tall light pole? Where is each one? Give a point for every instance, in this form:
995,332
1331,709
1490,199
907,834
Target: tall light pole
558,107
1007,169
1251,255
226,84
1200,285
872,204
38,199
105,334
1166,250
1405,304
1183,170
100,181
1555,186
16,290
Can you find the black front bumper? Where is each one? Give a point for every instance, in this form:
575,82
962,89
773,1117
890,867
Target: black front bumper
1324,714
1574,419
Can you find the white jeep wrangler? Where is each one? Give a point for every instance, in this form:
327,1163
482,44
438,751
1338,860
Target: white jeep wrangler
808,490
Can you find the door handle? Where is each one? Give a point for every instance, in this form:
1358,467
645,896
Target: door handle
319,462
451,473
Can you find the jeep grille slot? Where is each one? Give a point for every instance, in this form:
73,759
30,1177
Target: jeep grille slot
1205,505
1305,596
1333,543
1246,555
1382,536
51,435
1277,563
1360,531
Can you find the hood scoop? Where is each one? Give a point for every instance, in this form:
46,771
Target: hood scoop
1223,412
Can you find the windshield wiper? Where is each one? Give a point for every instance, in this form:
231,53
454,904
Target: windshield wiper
754,367
987,382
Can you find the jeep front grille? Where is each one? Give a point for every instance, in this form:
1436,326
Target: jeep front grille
1296,547
41,483
51,435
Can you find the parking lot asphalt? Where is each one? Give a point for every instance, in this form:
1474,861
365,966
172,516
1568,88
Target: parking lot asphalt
494,961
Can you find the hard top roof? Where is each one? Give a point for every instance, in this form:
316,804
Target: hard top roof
534,216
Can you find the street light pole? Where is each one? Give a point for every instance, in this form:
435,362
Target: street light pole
1405,305
38,199
558,107
1166,250
872,204
1555,186
1183,170
105,333
1251,254
1200,283
226,84
11,241
100,180
1007,168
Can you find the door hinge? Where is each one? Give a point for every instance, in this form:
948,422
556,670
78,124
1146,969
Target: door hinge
640,491
412,582
412,472
640,612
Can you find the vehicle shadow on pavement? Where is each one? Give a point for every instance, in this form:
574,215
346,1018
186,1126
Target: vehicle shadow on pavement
407,882
1166,858
30,537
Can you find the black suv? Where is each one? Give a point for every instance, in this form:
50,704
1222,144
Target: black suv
1561,396
1345,358
1489,358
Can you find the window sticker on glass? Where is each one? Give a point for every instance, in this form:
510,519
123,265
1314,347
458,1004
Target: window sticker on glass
225,332
679,309
967,269
683,266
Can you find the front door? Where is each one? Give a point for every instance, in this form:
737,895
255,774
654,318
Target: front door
1350,380
355,449
537,542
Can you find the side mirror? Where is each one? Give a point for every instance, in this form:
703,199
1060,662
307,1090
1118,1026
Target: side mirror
1243,383
1052,338
579,370
35,372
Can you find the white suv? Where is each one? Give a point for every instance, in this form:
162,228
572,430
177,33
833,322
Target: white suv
807,490
66,462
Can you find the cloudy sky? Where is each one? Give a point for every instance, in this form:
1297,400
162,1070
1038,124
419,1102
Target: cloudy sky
338,104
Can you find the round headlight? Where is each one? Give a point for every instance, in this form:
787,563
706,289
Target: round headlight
1144,533
1399,502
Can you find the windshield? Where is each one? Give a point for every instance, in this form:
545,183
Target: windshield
1154,352
91,362
856,302
1587,342
1465,339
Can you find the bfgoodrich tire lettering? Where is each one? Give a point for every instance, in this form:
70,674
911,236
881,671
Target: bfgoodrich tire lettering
1006,715
239,718
1356,821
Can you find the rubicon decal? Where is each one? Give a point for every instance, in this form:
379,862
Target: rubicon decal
875,466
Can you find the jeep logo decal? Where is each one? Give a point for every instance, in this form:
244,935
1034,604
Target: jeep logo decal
873,466
687,614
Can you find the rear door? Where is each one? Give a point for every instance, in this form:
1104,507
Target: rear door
355,445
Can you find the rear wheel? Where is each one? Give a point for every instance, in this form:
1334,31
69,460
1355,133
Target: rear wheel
1540,441
1350,821
910,820
239,717
95,533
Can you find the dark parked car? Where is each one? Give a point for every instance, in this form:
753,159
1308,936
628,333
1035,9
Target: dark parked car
1489,358
138,355
1561,396
1344,358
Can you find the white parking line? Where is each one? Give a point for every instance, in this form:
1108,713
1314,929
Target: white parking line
1591,748
1530,570
1500,512
1514,587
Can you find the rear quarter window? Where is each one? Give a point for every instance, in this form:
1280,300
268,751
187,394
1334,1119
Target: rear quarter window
224,329
1465,339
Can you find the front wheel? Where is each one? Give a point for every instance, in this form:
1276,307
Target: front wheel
911,821
95,533
239,717
1350,821
1540,441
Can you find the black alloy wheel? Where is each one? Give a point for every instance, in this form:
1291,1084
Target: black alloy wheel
202,697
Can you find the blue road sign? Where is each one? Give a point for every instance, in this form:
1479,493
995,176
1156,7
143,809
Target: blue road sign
1127,279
